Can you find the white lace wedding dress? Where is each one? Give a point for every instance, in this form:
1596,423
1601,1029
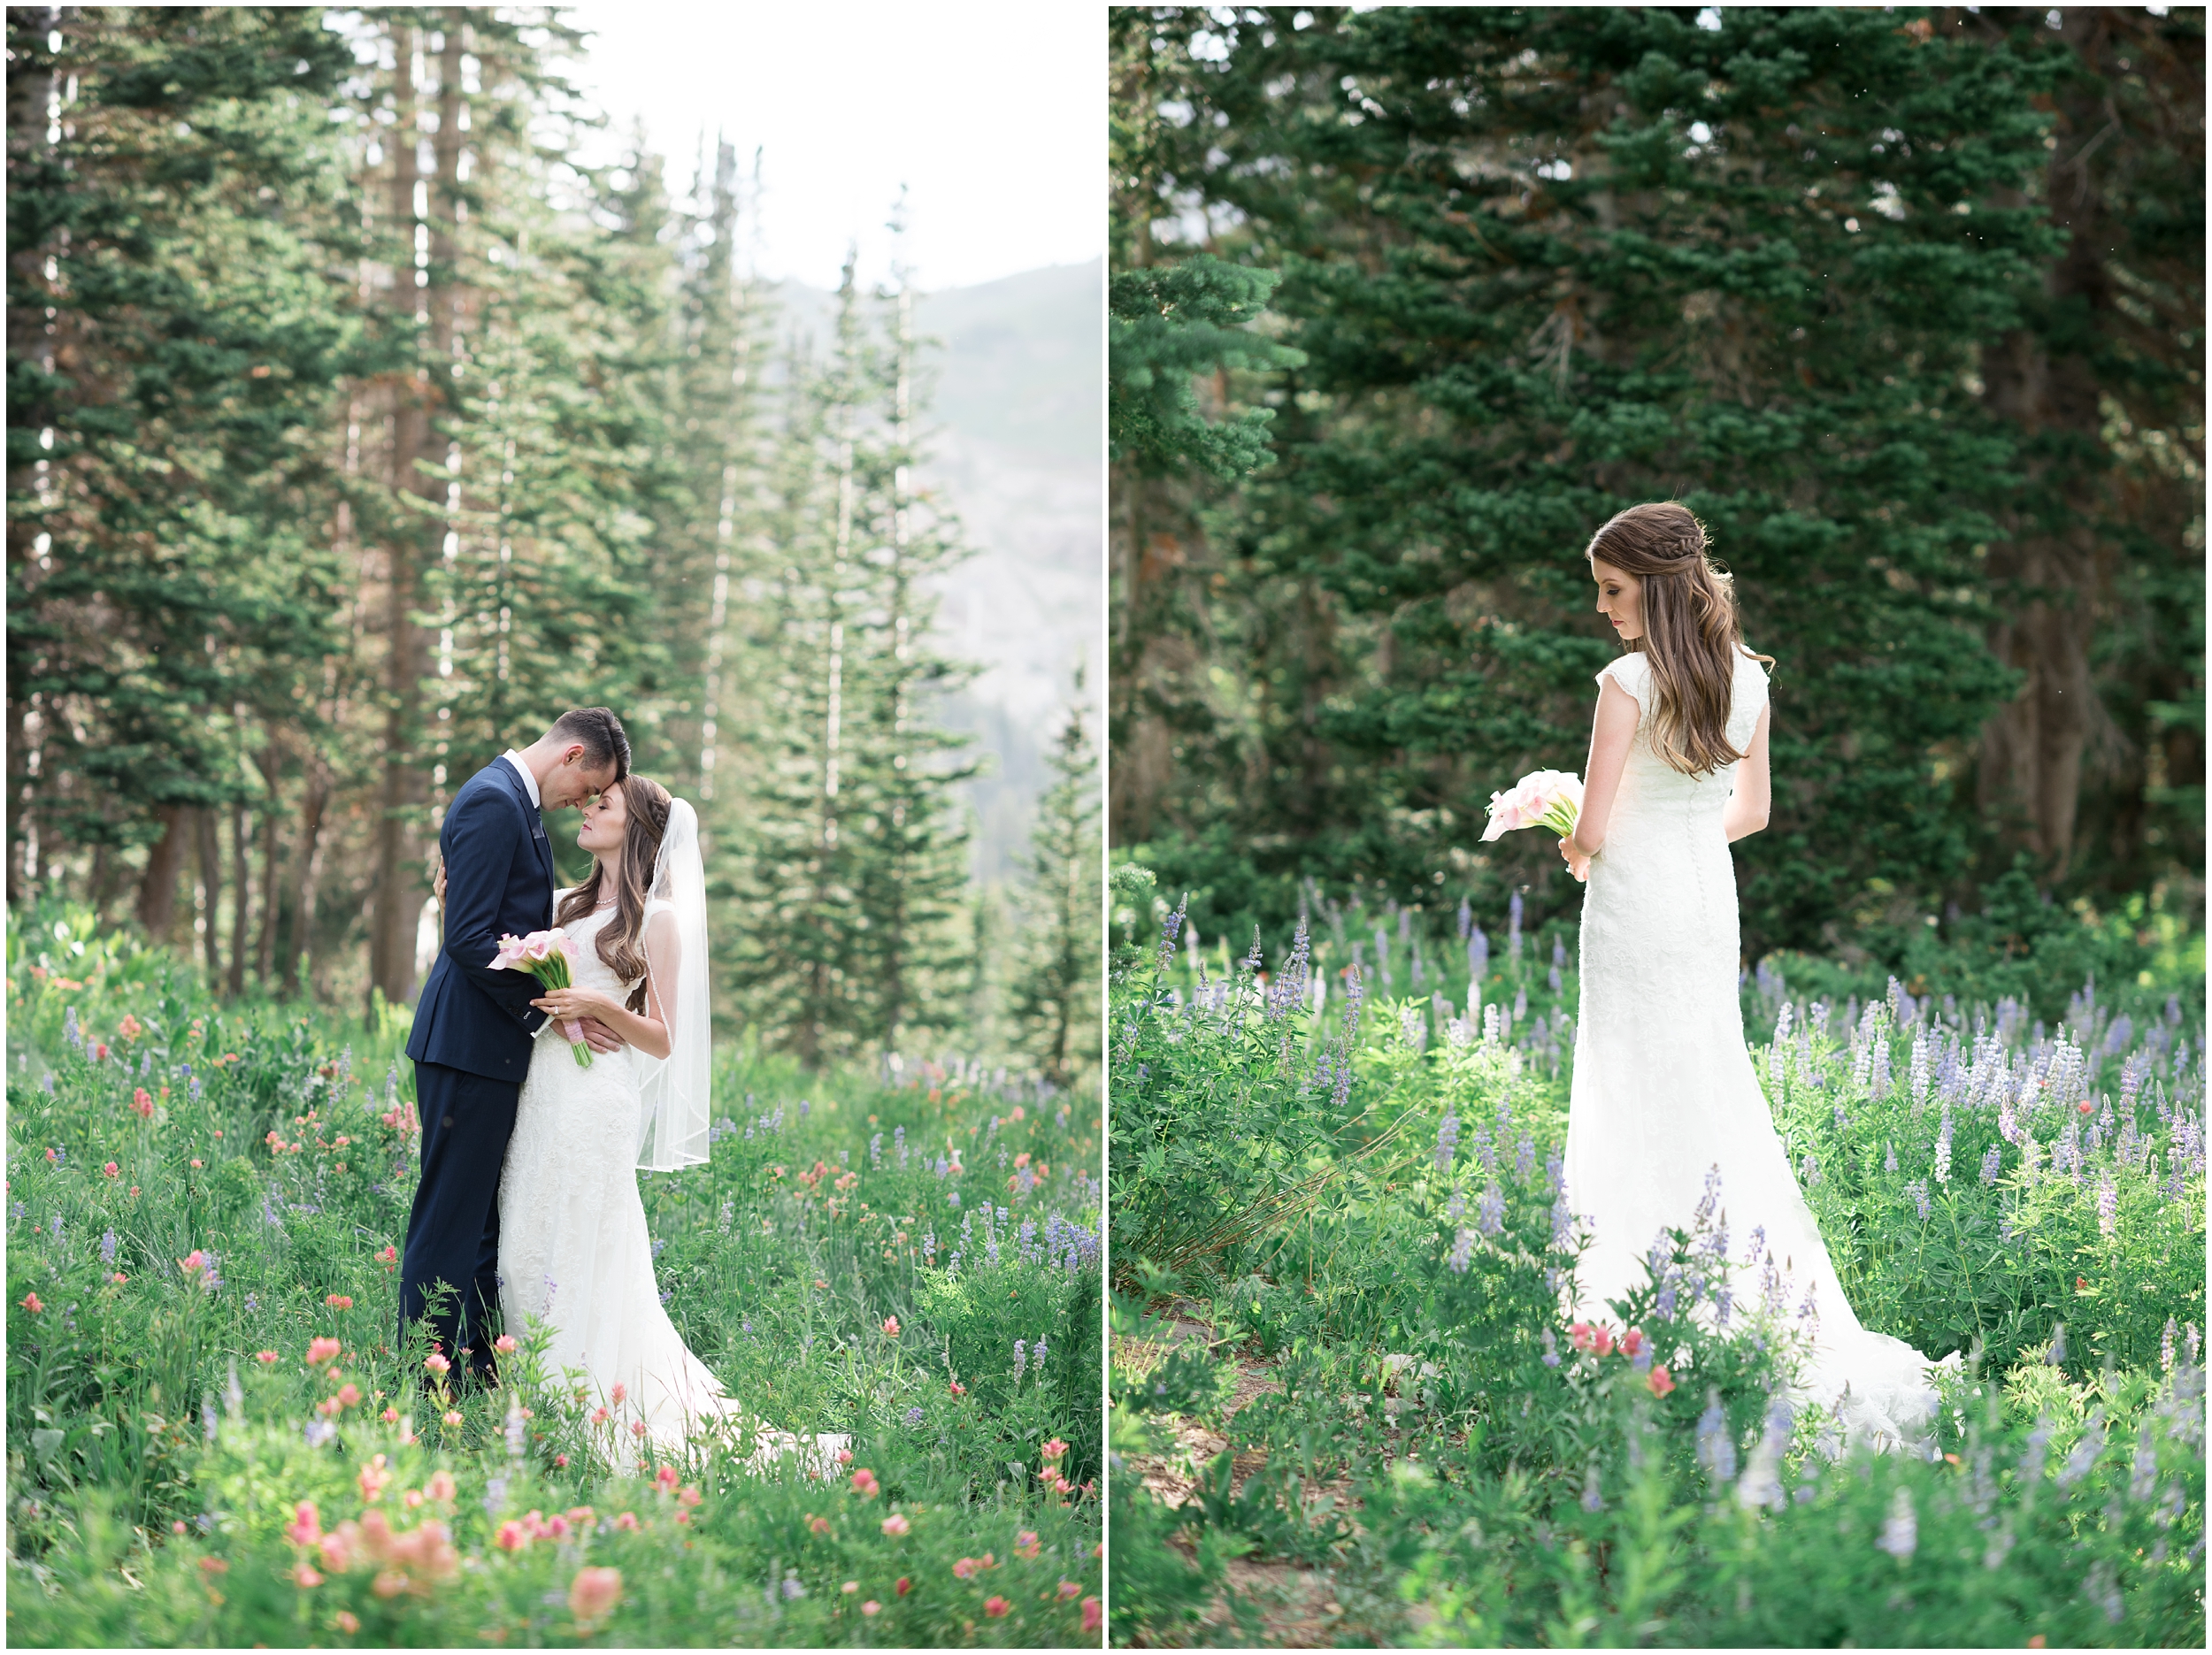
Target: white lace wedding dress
1664,1089
575,1253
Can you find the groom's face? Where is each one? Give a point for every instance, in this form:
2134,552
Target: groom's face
575,779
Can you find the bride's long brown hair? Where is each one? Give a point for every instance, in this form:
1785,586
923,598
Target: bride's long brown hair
1691,632
621,946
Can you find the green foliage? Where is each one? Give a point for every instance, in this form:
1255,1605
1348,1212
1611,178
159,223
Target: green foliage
1543,265
175,330
1395,1308
1167,326
284,1157
850,880
1054,998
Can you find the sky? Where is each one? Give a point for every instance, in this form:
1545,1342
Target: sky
991,114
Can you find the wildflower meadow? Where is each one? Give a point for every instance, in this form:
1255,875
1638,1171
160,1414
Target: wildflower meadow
215,1435
1348,1406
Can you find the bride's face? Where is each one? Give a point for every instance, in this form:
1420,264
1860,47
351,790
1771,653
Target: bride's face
1620,599
606,819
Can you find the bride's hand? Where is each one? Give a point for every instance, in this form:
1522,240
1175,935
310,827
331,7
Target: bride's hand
571,1003
1577,864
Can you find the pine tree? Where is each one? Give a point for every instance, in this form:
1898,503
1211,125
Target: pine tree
1055,991
1543,263
174,334
913,851
853,867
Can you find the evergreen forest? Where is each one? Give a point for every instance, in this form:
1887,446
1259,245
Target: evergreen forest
1905,303
357,427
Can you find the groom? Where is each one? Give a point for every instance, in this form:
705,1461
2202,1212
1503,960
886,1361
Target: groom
474,1026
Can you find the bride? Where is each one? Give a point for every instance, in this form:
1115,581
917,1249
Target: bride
1663,1087
573,1249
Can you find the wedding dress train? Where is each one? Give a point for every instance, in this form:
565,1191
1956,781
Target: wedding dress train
1664,1089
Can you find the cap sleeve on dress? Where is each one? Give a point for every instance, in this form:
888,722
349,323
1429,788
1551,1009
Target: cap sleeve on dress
1632,674
1748,701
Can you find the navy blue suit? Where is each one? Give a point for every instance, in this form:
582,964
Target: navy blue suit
470,1045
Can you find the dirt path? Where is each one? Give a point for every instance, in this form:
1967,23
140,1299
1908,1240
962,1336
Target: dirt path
1298,1602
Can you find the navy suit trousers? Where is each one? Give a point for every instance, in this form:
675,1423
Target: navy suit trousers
453,1235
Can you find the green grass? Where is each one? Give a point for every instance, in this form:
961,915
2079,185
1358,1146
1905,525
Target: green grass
1421,1444
151,1493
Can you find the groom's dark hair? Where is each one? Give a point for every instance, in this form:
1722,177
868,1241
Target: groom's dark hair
602,735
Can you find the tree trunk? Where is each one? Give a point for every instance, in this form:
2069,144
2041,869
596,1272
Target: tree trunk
399,873
241,903
158,889
271,863
2052,571
299,975
211,892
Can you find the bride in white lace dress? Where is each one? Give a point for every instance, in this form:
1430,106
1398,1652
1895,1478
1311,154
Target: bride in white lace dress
1663,1086
573,1248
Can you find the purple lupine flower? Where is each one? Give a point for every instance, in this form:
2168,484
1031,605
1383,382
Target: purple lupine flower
1993,1164
1562,1221
1900,1533
1490,1216
1555,1175
1447,1138
70,1031
1551,1348
1808,1312
107,1247
1918,1189
2107,1204
1943,1148
1809,1170
1514,909
1773,1290
1723,1298
1456,1208
2054,1356
1021,1359
1665,1302
1889,1158
1524,1158
2086,1451
2144,1482
1168,929
1715,1449
2166,1348
1462,1252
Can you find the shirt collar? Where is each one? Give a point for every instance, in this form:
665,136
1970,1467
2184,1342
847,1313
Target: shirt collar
528,780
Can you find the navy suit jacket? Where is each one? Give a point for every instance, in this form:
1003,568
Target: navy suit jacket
499,880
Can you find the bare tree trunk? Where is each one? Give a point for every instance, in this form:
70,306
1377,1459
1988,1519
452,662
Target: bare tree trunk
2054,572
310,863
400,875
158,889
272,862
210,893
242,904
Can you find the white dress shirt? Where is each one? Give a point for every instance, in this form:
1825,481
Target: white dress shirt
528,780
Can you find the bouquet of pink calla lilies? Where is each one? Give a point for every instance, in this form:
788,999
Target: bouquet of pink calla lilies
1551,799
545,955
